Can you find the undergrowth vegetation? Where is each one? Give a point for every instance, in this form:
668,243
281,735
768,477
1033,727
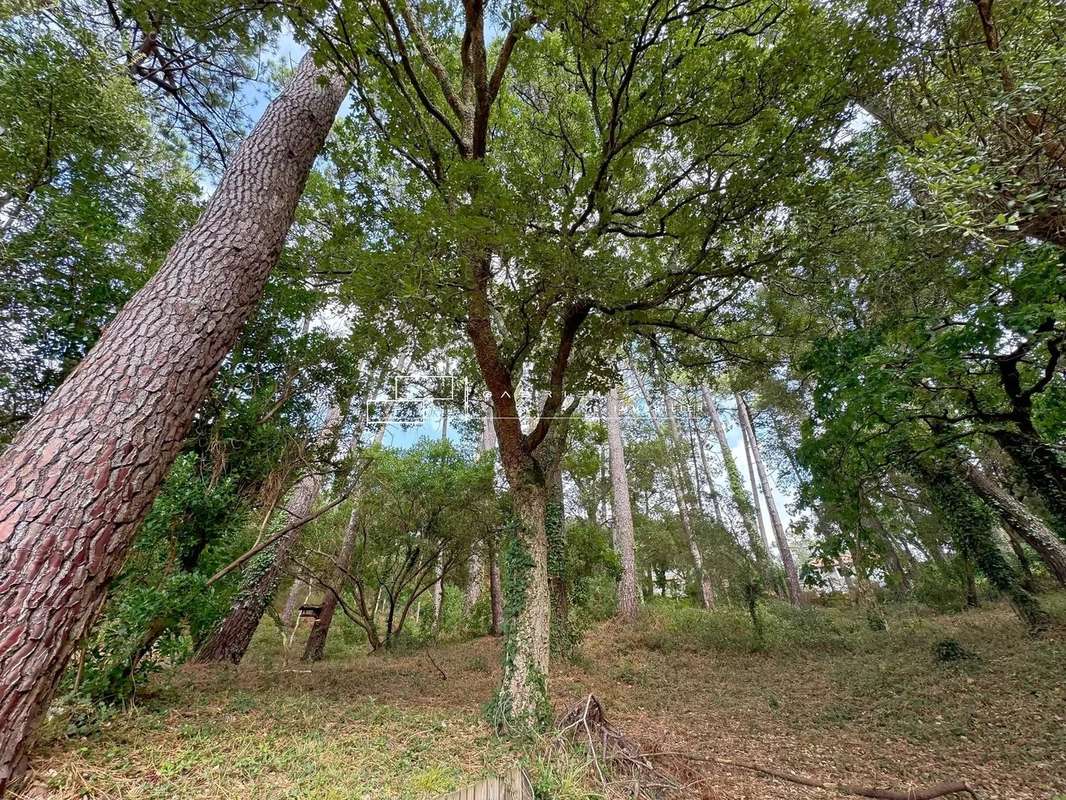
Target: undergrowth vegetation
406,724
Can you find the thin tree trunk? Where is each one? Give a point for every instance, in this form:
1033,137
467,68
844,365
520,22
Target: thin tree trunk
756,507
621,510
706,590
795,596
79,478
298,594
315,647
438,585
1019,519
261,575
701,446
1017,546
486,444
495,594
438,594
745,509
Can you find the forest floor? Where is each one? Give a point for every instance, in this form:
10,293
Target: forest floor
827,697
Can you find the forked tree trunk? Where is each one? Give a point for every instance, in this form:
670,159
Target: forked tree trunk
79,478
263,574
621,511
795,596
1018,518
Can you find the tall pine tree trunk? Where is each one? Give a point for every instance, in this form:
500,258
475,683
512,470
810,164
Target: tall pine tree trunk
795,596
745,508
79,478
495,592
263,574
486,445
756,507
682,490
621,511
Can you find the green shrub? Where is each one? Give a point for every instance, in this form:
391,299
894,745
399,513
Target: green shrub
937,591
950,650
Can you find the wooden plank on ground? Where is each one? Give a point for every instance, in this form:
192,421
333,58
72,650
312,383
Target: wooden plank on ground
513,785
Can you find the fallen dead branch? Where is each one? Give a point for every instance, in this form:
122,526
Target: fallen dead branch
613,754
928,793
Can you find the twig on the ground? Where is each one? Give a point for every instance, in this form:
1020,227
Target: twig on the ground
443,674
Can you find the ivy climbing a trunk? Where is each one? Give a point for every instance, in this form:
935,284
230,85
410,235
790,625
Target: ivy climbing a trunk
972,526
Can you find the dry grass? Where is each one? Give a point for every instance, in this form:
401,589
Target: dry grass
826,698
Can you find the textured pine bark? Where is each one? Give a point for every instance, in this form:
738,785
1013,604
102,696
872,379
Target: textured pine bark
263,574
486,444
795,595
621,511
79,478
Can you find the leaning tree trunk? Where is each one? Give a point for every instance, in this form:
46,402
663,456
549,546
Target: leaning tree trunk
1043,469
263,574
795,596
1018,518
297,596
972,523
81,475
756,507
741,500
621,511
315,647
683,495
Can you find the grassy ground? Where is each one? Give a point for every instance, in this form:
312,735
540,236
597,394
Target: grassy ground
826,697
